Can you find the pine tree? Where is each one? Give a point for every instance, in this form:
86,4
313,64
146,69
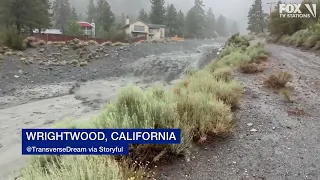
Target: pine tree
195,21
171,20
74,15
25,14
157,13
105,18
180,24
234,28
222,26
61,13
122,19
210,24
257,19
91,11
43,18
143,16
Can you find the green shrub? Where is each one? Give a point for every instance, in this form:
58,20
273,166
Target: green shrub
224,74
205,82
11,38
311,41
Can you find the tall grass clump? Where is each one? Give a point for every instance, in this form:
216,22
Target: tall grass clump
77,168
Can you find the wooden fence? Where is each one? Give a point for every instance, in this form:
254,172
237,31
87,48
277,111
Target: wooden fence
65,38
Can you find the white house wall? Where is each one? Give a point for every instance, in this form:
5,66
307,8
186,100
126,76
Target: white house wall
157,35
131,27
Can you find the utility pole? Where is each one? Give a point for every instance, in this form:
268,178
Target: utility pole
270,4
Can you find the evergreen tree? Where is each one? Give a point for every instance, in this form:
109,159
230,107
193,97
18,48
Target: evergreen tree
171,20
61,13
257,19
195,21
122,19
222,26
210,24
43,18
74,15
143,16
234,28
105,18
180,24
157,13
91,11
25,14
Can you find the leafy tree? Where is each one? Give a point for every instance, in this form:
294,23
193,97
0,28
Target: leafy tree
180,23
61,13
157,14
143,16
73,28
257,19
221,26
74,15
91,11
105,18
210,24
171,19
234,28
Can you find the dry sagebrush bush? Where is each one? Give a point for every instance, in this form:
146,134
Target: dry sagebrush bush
203,81
278,81
224,74
75,167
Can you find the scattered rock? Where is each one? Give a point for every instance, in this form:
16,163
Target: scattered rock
253,130
65,49
74,62
106,55
1,57
249,124
20,71
20,53
8,53
16,76
84,63
41,50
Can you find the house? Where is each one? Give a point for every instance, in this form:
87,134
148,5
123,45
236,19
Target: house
87,28
140,29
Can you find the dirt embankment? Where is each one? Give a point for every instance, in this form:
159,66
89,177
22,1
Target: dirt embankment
40,96
274,139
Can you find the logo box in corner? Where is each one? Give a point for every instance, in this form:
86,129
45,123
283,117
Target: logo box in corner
294,11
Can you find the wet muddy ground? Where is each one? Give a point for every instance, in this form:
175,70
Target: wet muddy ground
270,142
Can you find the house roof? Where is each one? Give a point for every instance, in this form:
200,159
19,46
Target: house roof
156,26
152,26
52,31
85,24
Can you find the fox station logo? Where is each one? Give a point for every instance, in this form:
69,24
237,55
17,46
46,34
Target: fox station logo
294,11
